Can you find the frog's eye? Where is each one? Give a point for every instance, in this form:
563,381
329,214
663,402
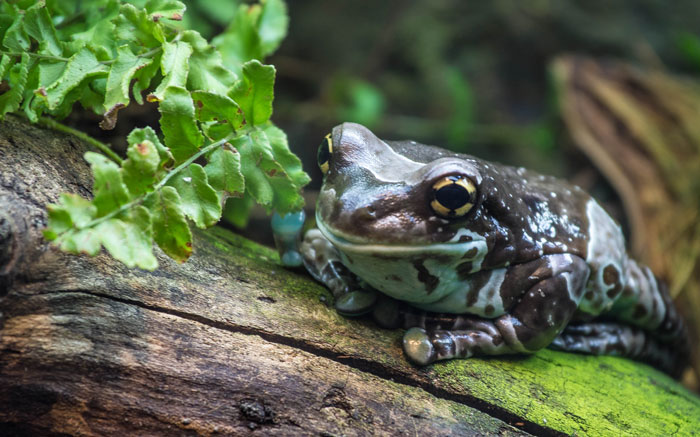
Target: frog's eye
324,154
453,196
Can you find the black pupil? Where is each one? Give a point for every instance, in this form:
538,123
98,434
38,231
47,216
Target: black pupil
452,196
323,153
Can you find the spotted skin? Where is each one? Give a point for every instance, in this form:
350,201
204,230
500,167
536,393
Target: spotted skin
535,262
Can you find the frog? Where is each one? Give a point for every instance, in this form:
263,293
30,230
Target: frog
476,258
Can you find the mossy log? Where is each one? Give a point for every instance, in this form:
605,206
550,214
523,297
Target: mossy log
230,343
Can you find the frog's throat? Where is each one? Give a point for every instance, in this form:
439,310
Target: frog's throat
474,249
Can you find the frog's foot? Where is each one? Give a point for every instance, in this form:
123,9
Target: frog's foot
418,346
424,347
356,303
599,338
322,260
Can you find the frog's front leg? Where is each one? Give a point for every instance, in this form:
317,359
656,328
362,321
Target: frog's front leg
541,297
322,260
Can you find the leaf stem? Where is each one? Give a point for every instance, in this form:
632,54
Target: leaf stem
104,148
192,159
156,187
151,52
36,55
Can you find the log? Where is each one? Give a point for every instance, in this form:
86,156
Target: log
231,343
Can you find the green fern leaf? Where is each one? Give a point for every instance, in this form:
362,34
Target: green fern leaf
200,202
170,229
178,123
255,91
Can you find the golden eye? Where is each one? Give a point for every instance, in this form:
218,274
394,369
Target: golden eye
324,154
453,196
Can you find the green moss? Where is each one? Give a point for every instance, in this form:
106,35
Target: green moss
241,245
578,394
571,393
253,255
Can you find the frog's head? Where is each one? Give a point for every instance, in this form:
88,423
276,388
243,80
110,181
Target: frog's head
399,212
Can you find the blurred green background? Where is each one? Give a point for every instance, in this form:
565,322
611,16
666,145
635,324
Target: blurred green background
467,75
471,76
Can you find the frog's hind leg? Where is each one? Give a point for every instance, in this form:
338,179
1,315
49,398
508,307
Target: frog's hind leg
539,315
646,303
609,338
323,262
646,327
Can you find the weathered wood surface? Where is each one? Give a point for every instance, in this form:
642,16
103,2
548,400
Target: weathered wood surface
230,343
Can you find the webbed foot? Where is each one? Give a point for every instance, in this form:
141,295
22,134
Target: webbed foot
356,303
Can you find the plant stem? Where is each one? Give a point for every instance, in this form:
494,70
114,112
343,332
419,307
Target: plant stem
158,186
151,52
104,148
192,159
36,55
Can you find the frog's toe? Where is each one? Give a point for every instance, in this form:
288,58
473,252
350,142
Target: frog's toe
418,347
356,303
292,258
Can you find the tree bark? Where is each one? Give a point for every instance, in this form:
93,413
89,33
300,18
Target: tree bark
230,343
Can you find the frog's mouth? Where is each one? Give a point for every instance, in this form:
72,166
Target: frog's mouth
456,247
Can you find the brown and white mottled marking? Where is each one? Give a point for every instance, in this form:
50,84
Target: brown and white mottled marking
480,297
541,313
